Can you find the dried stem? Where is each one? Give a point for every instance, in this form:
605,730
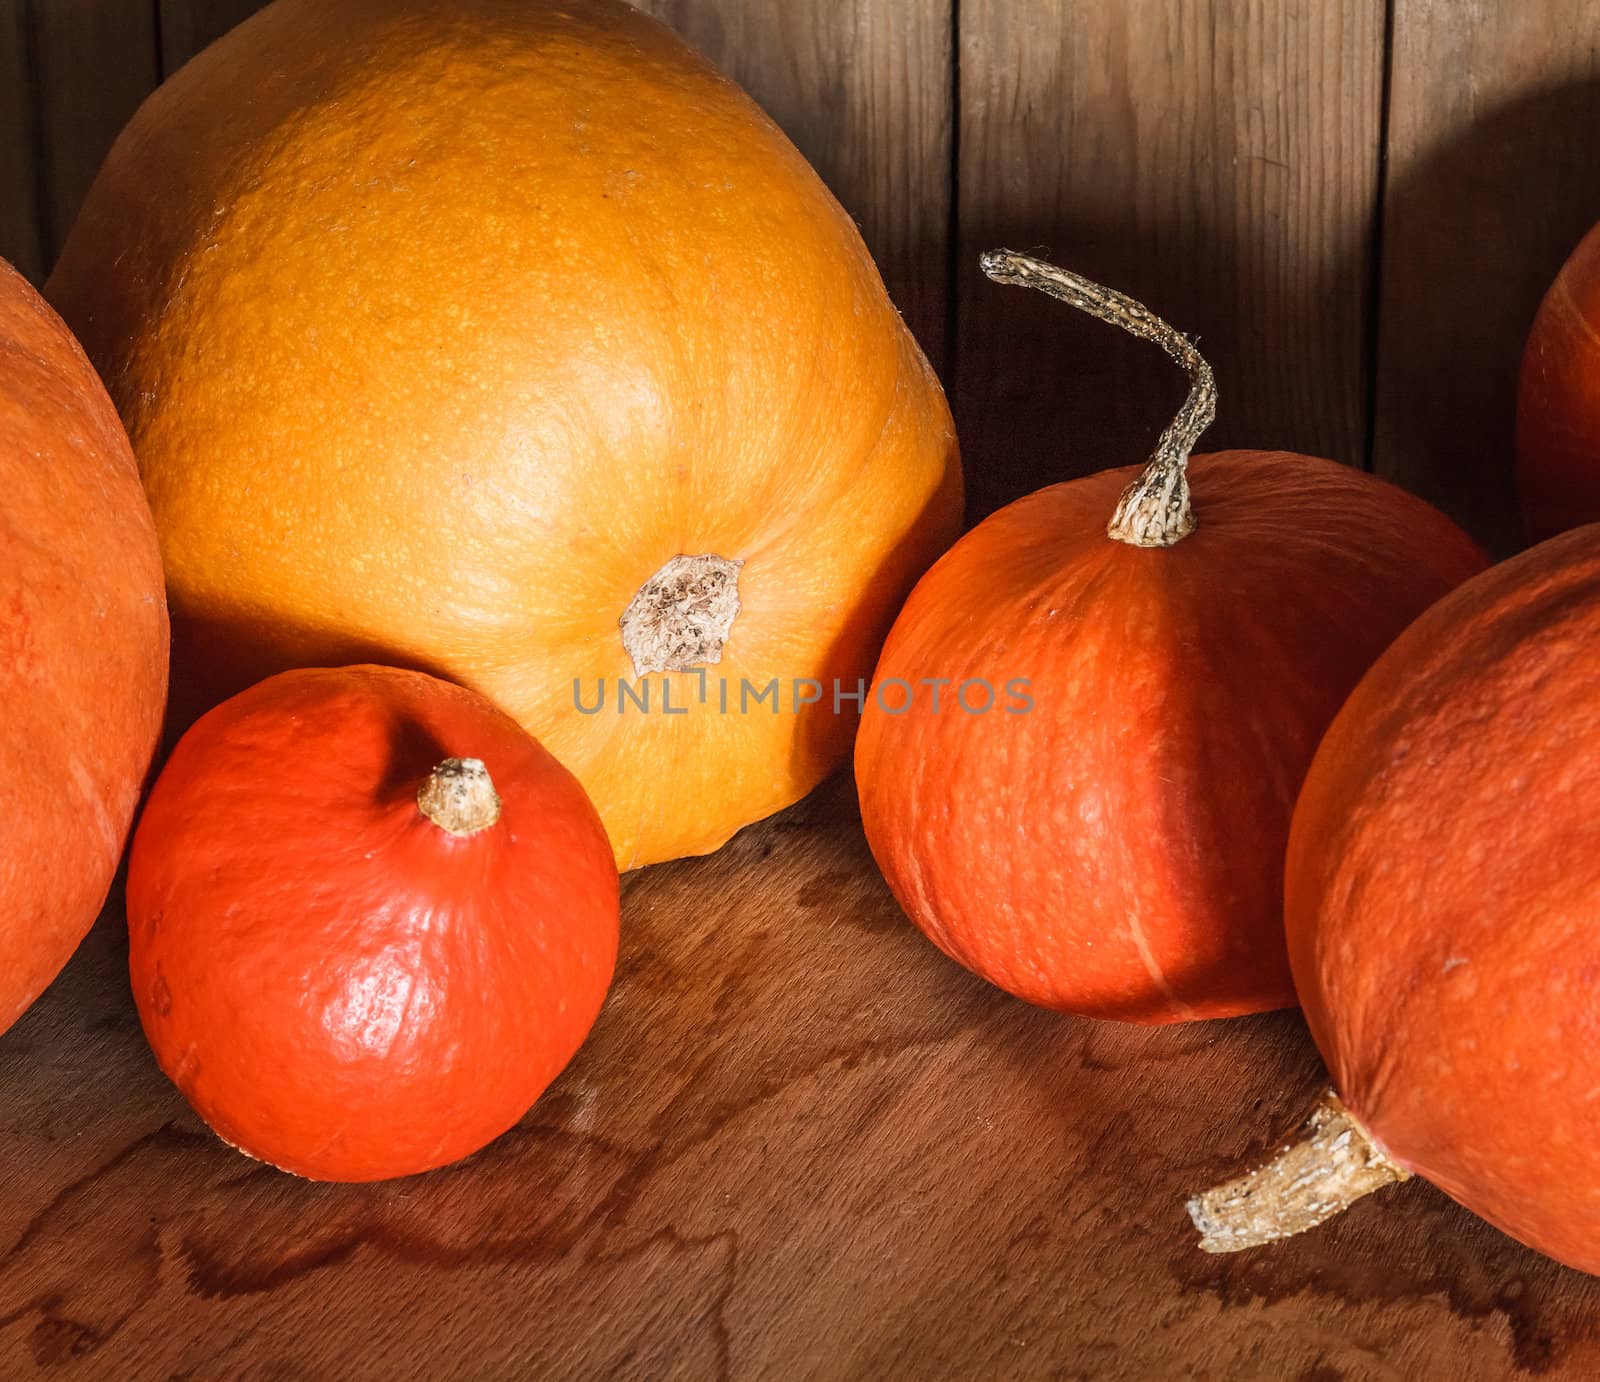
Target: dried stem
681,617
1335,1163
1154,510
458,797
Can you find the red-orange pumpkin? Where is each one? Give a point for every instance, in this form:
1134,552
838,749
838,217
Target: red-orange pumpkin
370,920
1558,401
1091,810
83,644
1443,911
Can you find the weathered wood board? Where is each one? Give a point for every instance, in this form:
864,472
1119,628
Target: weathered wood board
800,1143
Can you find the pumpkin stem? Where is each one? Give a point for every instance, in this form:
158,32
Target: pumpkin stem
1335,1163
1154,510
458,797
681,617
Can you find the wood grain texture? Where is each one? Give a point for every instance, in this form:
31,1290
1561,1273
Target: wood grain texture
1491,183
800,1143
865,91
187,26
96,63
1218,161
19,204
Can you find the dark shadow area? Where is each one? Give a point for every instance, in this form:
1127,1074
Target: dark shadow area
1159,1099
215,658
826,734
415,752
1043,393
1475,231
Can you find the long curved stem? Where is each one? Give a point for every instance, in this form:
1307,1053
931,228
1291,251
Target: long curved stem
1154,510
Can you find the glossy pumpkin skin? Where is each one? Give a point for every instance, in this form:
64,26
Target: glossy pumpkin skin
83,644
472,317
1115,851
1558,401
339,986
1442,892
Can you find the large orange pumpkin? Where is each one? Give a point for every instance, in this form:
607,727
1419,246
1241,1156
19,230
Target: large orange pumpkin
1442,899
1083,745
83,644
370,919
507,340
1558,400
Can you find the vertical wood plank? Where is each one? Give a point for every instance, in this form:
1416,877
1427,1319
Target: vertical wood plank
97,62
1217,159
864,88
1493,119
187,26
19,204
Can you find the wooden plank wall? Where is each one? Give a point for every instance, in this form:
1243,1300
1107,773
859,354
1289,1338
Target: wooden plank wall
19,190
93,62
865,90
187,26
1355,204
1216,160
1492,179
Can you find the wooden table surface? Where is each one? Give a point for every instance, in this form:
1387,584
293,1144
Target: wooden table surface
800,1143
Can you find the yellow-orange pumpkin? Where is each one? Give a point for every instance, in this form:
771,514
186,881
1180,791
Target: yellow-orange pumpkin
83,644
451,332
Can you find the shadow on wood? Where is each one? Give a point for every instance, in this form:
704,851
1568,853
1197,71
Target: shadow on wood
1475,230
1046,394
1219,163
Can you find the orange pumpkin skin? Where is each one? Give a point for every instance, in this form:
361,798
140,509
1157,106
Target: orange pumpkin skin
1558,401
83,644
1442,890
470,319
1115,850
338,985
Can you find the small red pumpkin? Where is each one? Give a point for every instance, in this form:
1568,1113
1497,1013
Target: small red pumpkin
1083,744
1443,911
370,920
83,644
1558,401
